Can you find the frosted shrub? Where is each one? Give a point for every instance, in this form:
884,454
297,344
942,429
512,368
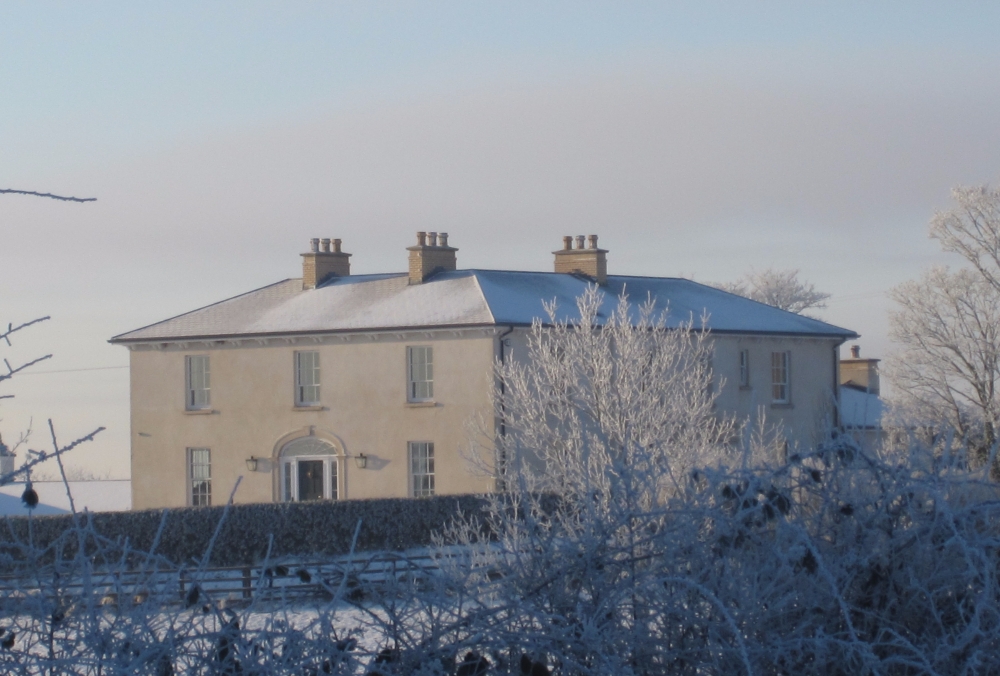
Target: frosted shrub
633,537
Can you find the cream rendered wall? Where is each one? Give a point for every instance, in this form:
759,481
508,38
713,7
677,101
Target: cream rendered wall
813,383
364,410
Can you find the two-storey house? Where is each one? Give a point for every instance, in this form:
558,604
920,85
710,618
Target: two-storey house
338,386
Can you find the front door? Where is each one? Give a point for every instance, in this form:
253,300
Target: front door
311,479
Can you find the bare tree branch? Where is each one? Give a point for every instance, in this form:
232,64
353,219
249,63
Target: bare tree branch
49,195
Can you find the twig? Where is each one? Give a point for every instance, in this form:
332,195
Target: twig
11,370
62,472
11,328
218,527
42,457
50,195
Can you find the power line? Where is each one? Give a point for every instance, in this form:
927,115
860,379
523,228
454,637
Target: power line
93,368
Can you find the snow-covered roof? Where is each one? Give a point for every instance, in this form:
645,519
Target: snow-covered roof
463,298
859,409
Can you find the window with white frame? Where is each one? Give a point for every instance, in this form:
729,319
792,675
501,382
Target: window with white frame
420,373
744,368
307,378
422,468
309,470
780,377
198,382
200,476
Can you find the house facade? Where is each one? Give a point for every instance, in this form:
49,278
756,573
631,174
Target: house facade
340,386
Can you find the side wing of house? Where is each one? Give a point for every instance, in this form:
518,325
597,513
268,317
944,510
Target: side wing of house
789,383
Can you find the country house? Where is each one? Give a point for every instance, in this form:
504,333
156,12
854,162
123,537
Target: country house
340,386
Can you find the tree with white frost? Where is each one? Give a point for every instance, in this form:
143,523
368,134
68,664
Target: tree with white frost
609,410
635,535
972,230
947,372
779,288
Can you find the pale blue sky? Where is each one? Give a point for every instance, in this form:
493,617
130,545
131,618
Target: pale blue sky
698,139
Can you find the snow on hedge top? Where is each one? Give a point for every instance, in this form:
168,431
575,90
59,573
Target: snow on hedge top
463,298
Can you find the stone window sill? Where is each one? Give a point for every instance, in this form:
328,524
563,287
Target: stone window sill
318,407
200,411
421,404
782,405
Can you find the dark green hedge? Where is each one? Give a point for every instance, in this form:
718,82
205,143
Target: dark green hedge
299,529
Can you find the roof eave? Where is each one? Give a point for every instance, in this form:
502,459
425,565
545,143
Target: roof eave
118,340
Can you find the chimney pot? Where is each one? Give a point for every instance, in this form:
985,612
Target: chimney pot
856,351
443,238
421,238
314,244
579,241
432,238
324,245
567,243
336,246
592,241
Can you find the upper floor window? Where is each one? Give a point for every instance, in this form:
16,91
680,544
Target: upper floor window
744,368
420,367
422,468
306,378
200,476
198,382
780,377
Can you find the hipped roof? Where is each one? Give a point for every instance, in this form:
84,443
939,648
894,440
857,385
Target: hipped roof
464,298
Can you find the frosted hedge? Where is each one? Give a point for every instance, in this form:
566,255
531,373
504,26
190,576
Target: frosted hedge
301,529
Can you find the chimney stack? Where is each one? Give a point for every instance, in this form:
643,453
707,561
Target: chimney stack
590,262
430,255
324,260
860,373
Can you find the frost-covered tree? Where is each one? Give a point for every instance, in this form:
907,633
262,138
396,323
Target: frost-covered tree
608,409
947,325
631,538
972,230
780,288
947,372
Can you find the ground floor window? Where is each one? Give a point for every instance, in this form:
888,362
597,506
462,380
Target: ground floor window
422,468
309,471
200,476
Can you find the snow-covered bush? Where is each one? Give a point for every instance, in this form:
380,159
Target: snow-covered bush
669,551
633,536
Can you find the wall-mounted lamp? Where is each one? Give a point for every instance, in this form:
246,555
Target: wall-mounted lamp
361,460
252,464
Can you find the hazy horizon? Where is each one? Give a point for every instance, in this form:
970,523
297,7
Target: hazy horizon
697,139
